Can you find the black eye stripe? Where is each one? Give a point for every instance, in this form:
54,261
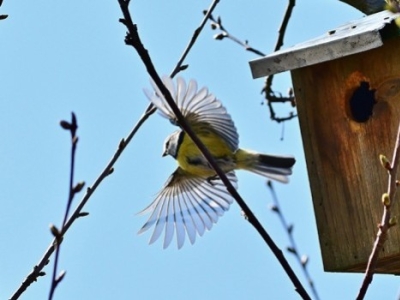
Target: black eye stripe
179,142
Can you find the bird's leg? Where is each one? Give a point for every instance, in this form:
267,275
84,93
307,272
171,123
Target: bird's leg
211,178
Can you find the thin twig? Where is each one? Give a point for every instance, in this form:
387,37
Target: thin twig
267,90
2,17
303,261
281,35
72,128
388,199
38,269
180,66
216,23
284,24
224,33
196,33
134,40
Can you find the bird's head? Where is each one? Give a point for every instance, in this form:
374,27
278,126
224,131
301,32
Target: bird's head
172,143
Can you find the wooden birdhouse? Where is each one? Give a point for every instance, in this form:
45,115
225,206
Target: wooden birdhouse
347,89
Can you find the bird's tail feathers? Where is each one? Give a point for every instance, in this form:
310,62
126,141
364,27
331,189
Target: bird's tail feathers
274,167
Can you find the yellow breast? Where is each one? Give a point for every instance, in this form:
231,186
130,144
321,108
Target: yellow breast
191,160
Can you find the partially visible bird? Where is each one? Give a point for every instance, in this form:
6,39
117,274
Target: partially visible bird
193,198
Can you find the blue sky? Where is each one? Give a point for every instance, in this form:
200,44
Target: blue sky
63,56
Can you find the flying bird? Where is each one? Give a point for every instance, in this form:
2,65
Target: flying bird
194,197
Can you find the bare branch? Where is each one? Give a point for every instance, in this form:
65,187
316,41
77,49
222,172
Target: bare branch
270,97
302,260
284,24
37,270
192,41
72,128
224,33
388,199
2,17
134,40
267,90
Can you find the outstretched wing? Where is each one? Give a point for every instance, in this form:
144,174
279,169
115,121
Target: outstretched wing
197,106
187,205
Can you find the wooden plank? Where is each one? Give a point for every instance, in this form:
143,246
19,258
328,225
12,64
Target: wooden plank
342,155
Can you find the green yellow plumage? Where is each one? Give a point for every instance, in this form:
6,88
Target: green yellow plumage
193,198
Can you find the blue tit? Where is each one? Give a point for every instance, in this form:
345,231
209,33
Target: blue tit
193,198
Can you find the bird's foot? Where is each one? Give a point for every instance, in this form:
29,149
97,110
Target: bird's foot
212,178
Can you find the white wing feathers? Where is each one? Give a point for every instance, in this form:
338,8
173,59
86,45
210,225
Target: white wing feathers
197,106
187,205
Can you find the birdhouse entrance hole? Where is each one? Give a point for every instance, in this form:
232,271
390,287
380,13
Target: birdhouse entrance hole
362,102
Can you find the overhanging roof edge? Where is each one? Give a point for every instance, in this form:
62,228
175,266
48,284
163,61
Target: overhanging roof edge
351,38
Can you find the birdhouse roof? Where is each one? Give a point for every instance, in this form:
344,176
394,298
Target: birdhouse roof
351,38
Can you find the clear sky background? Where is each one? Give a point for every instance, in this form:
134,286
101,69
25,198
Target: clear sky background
63,56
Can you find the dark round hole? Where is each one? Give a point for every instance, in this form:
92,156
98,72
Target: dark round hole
362,102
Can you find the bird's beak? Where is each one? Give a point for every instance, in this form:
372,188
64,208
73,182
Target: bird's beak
165,153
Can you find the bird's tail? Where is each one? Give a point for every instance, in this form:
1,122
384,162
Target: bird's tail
271,166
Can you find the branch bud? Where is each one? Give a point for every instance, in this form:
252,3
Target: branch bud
290,228
386,199
122,144
54,230
60,276
304,260
110,171
78,187
290,92
219,36
274,208
392,221
83,214
65,125
385,162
